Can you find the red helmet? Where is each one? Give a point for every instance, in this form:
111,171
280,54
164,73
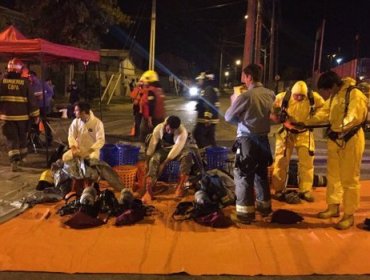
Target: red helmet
25,73
15,65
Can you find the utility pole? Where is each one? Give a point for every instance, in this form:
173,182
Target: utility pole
321,44
249,33
272,44
220,80
257,42
152,37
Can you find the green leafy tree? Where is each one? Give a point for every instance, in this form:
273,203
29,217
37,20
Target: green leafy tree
78,23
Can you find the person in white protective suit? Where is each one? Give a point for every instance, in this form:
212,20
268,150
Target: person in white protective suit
86,134
346,111
296,105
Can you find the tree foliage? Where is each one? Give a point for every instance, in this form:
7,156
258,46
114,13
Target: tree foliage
78,23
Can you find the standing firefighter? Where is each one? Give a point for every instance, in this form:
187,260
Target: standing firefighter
207,107
151,103
296,104
17,107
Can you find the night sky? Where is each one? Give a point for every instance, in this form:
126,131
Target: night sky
195,29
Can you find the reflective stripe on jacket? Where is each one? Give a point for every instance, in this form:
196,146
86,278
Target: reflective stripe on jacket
17,103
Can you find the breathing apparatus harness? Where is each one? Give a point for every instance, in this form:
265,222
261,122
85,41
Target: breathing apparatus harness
284,116
345,136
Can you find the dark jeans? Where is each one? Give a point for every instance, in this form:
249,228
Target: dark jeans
137,119
250,174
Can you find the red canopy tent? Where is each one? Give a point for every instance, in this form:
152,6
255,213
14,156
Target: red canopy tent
13,42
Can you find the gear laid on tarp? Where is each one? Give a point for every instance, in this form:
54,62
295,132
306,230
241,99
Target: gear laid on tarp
206,213
82,220
215,189
134,213
93,170
365,225
58,181
286,217
206,210
91,209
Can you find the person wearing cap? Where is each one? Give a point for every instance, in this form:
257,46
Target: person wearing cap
151,103
251,112
207,107
168,142
17,107
295,104
345,111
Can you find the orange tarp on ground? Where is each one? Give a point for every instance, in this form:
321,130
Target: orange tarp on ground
159,245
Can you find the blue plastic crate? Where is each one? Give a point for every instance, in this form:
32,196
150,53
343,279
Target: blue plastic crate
109,154
216,157
171,172
127,154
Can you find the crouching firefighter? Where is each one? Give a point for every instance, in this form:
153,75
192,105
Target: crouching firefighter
346,111
168,142
296,104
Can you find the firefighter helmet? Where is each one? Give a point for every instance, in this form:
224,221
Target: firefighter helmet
149,77
15,65
25,72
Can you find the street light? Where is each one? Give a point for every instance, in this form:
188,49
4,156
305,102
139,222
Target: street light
238,62
339,60
227,74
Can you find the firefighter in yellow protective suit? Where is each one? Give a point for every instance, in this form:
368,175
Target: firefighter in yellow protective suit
296,104
345,110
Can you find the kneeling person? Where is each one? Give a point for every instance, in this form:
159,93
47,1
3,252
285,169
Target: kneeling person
167,143
86,134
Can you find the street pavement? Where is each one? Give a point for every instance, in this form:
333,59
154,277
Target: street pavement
117,118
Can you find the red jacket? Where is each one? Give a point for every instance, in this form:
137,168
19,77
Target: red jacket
136,95
152,103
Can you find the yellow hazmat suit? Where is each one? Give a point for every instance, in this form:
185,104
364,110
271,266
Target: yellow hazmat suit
303,140
344,158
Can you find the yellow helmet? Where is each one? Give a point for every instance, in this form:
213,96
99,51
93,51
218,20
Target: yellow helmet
300,87
47,176
149,77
